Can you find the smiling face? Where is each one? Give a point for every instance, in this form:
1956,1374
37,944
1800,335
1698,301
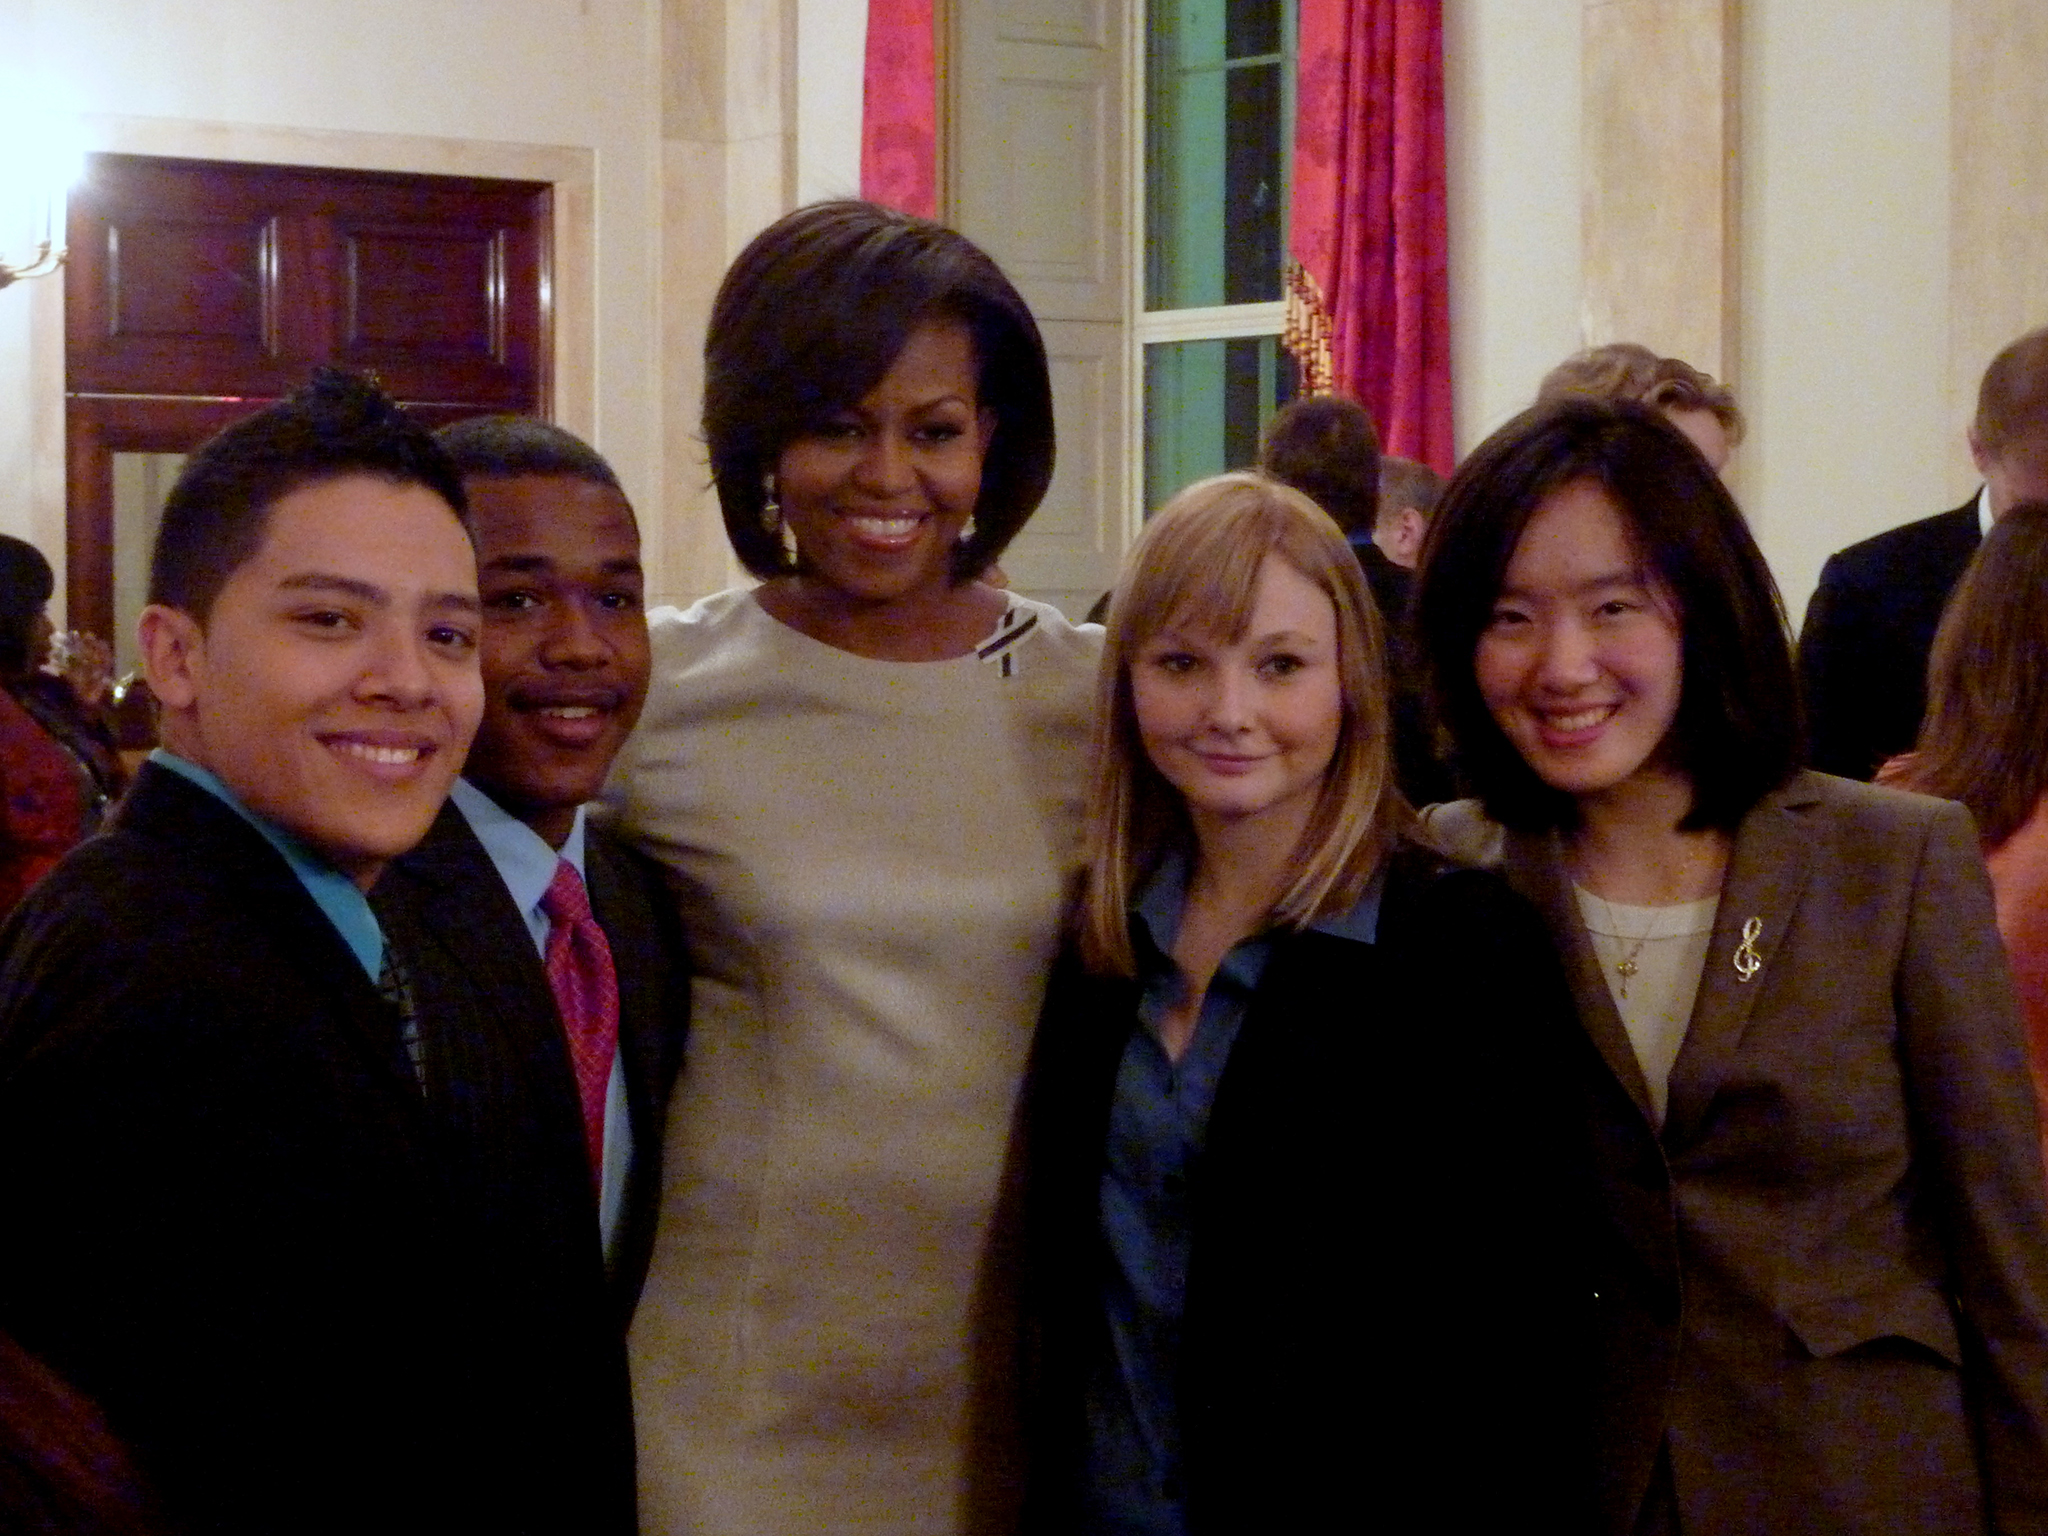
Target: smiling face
1246,728
565,649
877,496
333,687
1582,662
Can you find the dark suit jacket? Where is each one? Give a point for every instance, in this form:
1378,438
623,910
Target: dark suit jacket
1824,1285
1383,1300
503,1097
1869,626
218,1186
1419,769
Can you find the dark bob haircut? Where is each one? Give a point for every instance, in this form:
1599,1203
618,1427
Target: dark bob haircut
26,584
506,447
1738,731
809,318
337,425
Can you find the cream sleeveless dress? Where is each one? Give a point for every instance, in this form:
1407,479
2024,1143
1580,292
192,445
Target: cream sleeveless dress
871,859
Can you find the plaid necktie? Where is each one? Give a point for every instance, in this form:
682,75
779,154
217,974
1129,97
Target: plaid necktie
586,992
396,987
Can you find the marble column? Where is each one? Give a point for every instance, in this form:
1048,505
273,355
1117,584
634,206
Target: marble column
1658,162
1998,208
728,167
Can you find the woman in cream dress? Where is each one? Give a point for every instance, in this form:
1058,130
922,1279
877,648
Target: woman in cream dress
865,777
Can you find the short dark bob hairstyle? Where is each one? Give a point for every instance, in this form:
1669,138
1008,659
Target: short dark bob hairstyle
1738,731
809,318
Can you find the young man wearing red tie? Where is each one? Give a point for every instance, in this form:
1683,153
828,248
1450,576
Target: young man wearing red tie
544,964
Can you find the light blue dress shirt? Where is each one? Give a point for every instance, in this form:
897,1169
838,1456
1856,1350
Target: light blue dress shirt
526,864
332,891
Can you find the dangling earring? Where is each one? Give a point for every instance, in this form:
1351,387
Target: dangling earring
773,525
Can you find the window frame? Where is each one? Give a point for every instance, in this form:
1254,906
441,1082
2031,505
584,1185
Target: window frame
1217,322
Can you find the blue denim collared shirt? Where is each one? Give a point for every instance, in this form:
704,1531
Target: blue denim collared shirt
1158,1121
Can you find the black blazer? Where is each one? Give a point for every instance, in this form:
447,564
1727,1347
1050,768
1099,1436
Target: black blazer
503,1098
1384,1310
222,1207
1869,626
1419,769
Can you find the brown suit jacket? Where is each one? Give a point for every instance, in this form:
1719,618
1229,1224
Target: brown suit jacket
1823,1285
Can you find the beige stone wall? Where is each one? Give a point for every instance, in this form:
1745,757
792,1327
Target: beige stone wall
728,167
1998,234
1659,214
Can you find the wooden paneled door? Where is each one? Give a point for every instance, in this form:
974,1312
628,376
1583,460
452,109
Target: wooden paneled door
201,290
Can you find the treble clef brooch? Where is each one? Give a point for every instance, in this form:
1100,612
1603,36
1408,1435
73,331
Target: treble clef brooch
1747,961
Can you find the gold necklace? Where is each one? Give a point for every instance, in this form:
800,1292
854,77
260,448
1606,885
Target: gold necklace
1626,967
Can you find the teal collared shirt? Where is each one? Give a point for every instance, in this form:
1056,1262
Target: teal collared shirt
332,891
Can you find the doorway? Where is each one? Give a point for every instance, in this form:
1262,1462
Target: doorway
201,290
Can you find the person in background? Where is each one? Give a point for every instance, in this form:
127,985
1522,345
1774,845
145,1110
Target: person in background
1871,620
1694,402
1295,1077
1408,495
1326,447
1982,742
1822,1286
865,778
58,773
546,969
227,1223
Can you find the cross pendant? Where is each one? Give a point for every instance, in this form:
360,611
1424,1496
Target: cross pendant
1626,968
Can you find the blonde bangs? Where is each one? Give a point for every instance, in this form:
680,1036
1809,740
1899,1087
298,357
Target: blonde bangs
1196,568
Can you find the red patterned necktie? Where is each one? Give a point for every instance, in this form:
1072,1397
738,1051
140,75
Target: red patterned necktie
586,992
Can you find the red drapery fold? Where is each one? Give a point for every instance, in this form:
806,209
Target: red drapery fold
899,109
1368,292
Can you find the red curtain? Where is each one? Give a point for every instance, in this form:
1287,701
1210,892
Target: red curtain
899,158
1368,293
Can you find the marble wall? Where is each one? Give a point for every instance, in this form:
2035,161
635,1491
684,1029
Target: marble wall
1839,208
1998,208
1659,177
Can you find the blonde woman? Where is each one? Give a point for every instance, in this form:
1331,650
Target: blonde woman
1300,1214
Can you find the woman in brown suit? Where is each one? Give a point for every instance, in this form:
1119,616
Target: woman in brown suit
1823,1277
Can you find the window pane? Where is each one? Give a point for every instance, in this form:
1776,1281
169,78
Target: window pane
1252,27
1206,403
1215,173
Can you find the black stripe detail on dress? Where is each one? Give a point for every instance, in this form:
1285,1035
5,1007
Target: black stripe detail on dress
1008,638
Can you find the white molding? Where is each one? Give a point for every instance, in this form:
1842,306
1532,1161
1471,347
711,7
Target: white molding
1217,322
